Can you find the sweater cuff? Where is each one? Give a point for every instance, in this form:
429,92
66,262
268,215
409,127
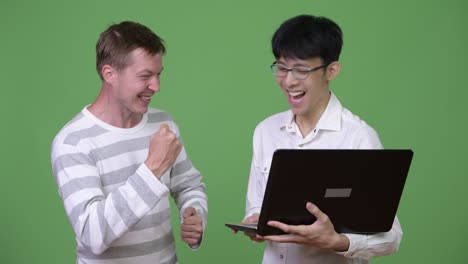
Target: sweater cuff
156,186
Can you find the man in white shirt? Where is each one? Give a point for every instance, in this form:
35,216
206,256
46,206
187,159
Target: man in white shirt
307,50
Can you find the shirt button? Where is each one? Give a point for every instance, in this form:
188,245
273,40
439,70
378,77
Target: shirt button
301,145
315,130
289,127
281,256
265,169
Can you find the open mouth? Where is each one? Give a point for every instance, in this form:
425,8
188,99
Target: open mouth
296,96
145,98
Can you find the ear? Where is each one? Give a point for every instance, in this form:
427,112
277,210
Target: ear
333,70
108,73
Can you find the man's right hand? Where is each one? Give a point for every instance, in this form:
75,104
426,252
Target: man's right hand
164,148
251,220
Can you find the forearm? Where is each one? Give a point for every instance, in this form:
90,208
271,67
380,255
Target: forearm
196,198
189,191
187,187
255,191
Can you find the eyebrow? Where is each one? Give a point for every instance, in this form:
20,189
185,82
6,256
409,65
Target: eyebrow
294,65
146,71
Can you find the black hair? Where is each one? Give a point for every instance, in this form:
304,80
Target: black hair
306,36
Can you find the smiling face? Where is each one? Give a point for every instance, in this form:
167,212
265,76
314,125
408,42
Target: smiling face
133,86
309,97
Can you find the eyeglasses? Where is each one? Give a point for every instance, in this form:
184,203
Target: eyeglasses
299,73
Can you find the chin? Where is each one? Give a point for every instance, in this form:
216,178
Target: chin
298,112
295,110
141,110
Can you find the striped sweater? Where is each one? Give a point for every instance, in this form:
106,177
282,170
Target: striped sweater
118,209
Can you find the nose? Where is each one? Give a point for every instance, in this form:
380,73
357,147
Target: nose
289,79
154,84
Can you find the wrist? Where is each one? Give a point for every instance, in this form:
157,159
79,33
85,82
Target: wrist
153,169
341,243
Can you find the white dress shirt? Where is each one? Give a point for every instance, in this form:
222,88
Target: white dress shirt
337,128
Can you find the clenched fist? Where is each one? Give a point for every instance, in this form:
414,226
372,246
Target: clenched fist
192,227
163,150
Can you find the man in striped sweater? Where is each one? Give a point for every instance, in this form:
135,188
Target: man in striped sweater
117,161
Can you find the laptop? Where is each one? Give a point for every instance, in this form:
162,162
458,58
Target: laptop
359,189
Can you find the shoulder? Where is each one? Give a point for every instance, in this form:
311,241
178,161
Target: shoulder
75,129
353,122
157,117
70,138
273,121
364,135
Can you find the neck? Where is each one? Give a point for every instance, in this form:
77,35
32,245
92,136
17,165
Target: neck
308,122
112,112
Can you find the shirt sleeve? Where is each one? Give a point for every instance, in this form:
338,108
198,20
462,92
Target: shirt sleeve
366,138
99,219
186,186
380,244
367,246
257,181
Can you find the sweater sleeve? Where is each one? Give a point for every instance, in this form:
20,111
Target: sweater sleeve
99,219
186,185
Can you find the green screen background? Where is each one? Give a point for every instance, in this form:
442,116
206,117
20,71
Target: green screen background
402,71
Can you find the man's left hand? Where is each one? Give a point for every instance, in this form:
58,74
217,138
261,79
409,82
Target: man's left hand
192,227
321,233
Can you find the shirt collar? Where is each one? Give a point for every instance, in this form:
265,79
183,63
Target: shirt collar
330,119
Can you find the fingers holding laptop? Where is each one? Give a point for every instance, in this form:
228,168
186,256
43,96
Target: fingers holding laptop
321,233
252,220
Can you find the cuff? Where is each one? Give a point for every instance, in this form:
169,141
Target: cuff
252,211
196,246
356,244
154,184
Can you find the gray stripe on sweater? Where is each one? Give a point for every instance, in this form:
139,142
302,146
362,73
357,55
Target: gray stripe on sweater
181,167
153,220
158,117
79,184
70,160
189,183
77,211
186,198
120,147
118,176
122,207
75,137
106,230
146,194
